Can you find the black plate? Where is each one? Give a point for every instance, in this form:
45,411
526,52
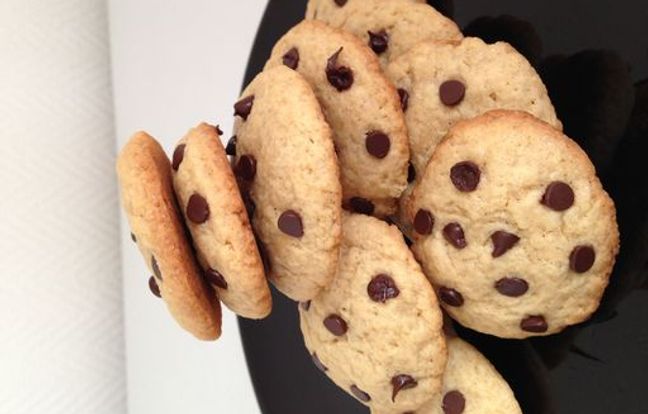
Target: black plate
593,55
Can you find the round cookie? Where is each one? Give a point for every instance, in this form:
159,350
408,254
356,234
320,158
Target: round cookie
376,331
516,233
144,174
471,385
286,165
318,9
450,81
390,27
362,107
215,215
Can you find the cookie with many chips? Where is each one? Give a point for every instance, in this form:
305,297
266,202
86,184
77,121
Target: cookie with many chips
144,174
376,330
361,106
215,215
287,169
516,233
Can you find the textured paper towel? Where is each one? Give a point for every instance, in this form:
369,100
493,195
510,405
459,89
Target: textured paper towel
61,331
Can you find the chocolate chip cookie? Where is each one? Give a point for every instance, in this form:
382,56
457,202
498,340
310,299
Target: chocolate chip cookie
376,331
144,173
471,385
315,9
516,233
362,107
388,27
450,81
215,215
286,166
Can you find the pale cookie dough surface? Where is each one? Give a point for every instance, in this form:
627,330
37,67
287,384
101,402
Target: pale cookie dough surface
388,27
555,273
315,9
493,77
295,185
362,107
144,174
378,324
472,382
215,215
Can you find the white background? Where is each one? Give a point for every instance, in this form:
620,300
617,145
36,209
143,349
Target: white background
73,337
61,330
176,63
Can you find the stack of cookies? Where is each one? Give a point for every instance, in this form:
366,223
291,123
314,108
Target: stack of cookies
385,170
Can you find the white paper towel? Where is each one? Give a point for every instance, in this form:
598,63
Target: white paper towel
61,331
61,306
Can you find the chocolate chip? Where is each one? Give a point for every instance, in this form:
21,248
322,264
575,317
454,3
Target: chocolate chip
404,98
318,363
291,58
451,297
340,2
502,242
178,156
535,324
153,286
335,324
377,144
582,258
378,42
402,382
454,403
465,176
454,234
218,130
305,305
452,92
156,268
230,149
361,205
558,196
411,173
340,77
290,222
197,209
243,107
246,167
361,395
133,237
215,278
512,286
423,222
381,288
